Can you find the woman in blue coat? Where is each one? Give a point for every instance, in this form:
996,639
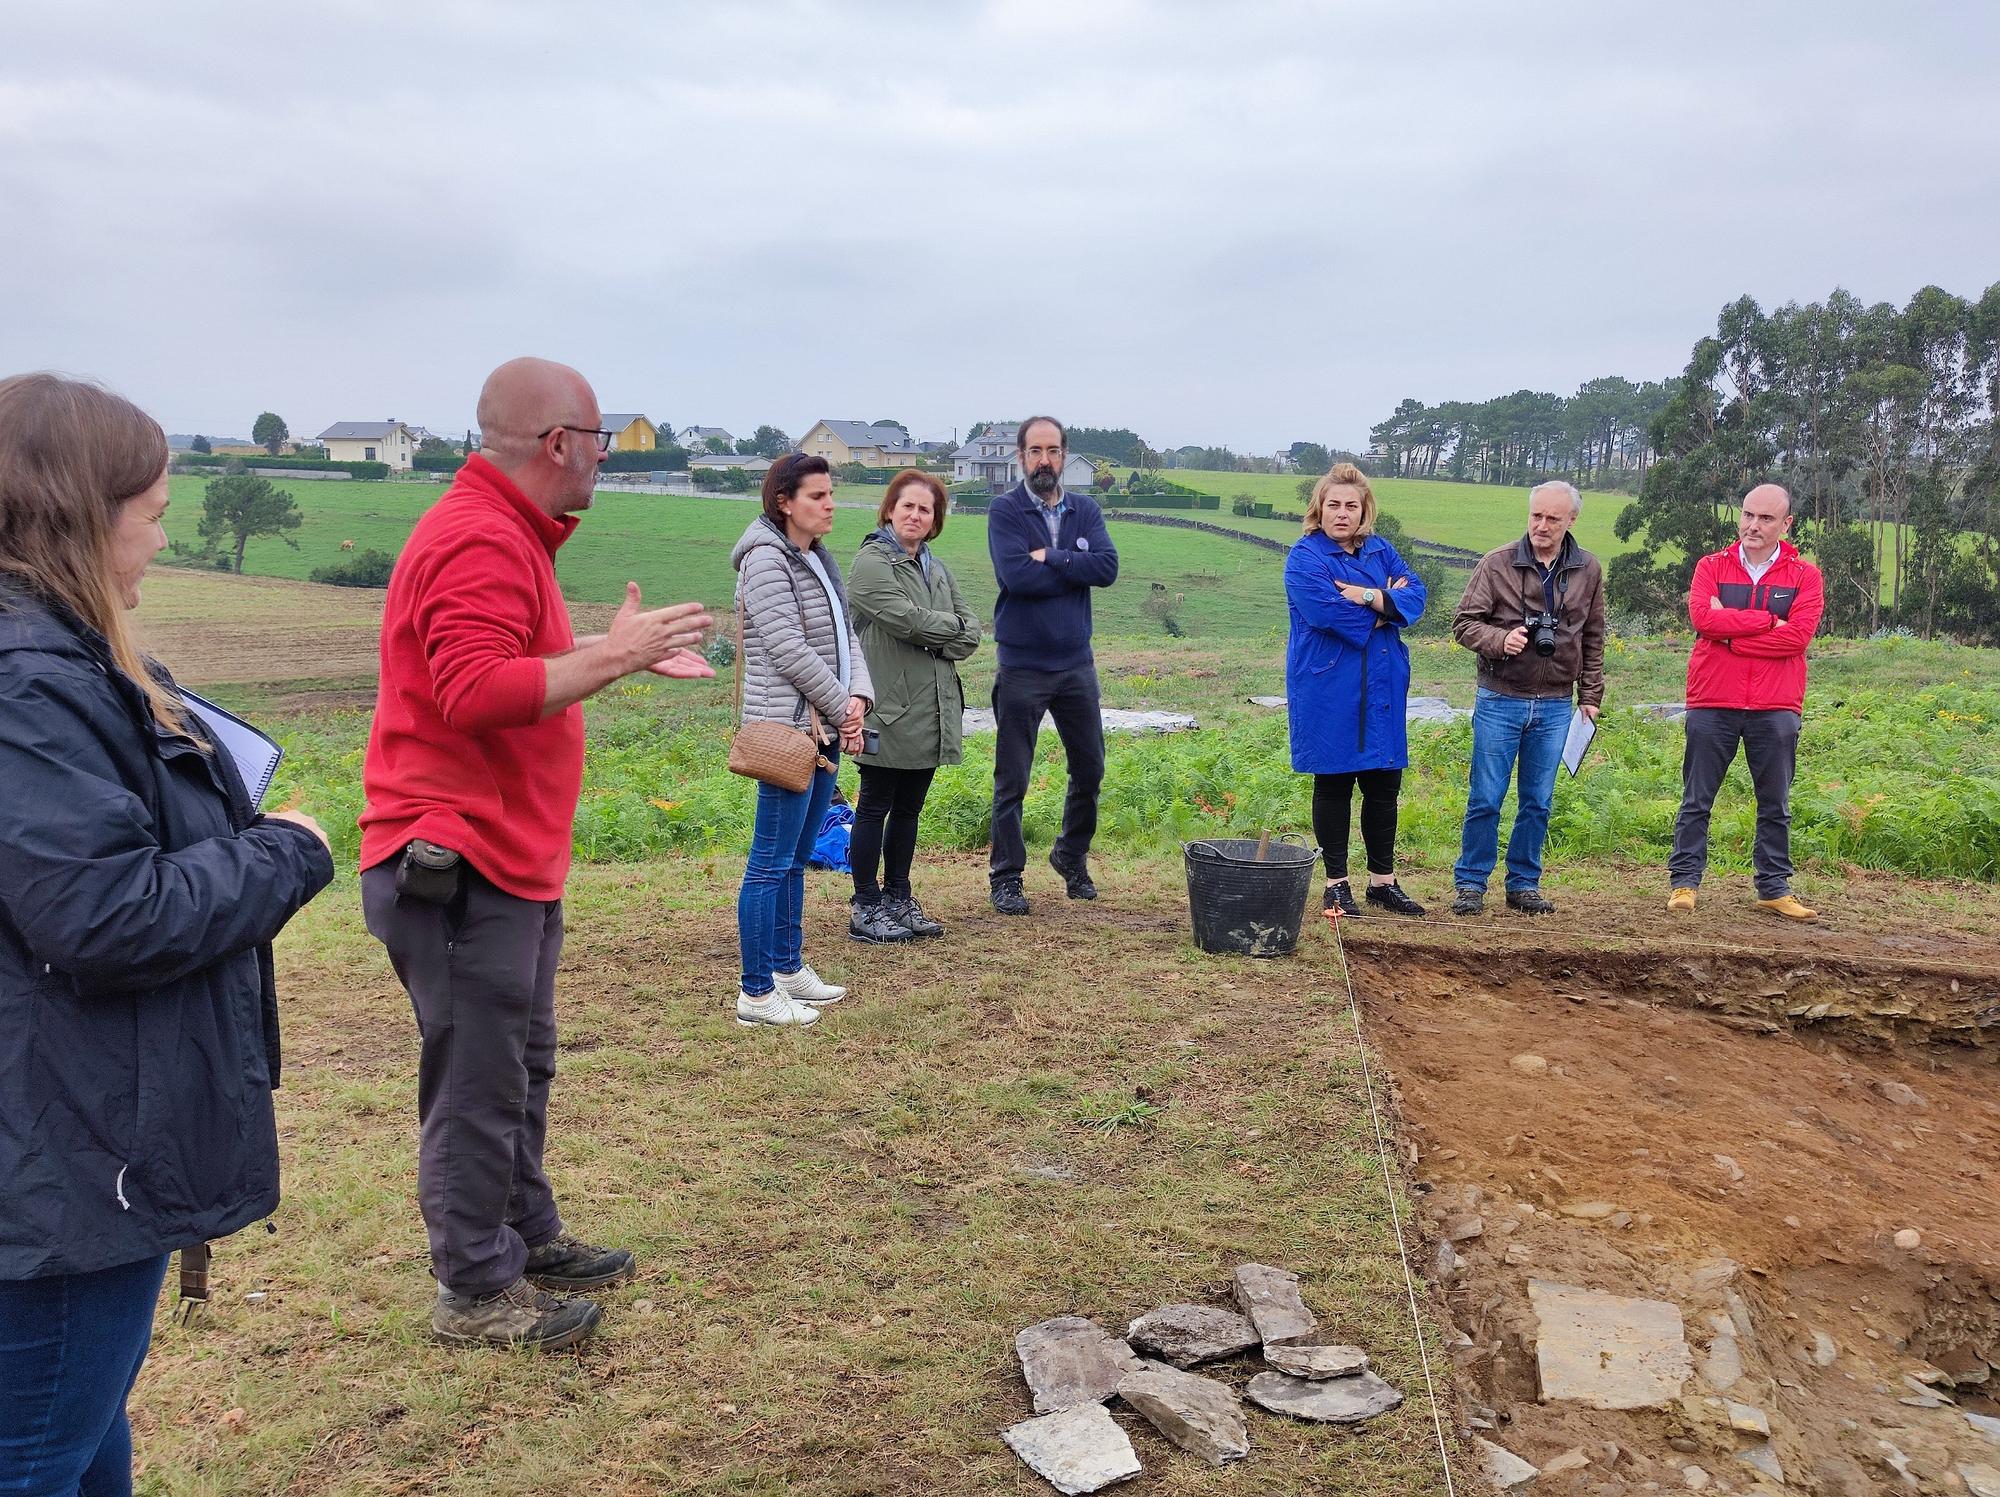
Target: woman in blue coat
1347,679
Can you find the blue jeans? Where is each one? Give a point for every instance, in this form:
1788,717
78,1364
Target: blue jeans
70,1349
1506,731
770,907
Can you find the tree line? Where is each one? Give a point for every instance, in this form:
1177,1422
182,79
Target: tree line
1881,423
1599,437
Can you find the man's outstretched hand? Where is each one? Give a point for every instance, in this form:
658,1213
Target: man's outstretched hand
641,638
682,665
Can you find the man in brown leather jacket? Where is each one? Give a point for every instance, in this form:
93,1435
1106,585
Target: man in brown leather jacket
1533,612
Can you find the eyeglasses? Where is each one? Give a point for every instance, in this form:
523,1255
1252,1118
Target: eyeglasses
603,437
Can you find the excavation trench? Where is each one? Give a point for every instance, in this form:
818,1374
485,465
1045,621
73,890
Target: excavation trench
1749,1136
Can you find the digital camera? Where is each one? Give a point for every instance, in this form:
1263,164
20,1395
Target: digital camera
1542,632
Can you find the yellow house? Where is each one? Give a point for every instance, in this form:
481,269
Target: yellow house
842,442
632,433
391,442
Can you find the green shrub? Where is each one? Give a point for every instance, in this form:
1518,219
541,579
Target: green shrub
370,569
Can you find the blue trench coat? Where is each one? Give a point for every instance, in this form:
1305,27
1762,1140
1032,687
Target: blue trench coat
1347,670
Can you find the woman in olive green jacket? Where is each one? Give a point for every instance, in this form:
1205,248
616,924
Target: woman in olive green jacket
913,625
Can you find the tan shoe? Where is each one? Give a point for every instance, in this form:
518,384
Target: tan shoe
1681,902
1788,906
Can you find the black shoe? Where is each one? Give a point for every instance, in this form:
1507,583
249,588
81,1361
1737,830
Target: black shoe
910,915
1470,901
1008,898
565,1264
519,1315
1075,877
1340,897
1392,898
1529,902
877,924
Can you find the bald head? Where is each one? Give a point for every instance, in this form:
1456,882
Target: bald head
536,420
1764,520
1766,495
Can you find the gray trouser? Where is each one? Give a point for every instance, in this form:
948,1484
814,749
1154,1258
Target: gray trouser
1770,743
481,975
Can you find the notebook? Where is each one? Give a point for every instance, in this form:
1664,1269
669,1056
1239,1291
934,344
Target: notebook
255,756
1581,731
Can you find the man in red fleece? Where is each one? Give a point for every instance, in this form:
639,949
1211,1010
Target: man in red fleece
1755,608
474,763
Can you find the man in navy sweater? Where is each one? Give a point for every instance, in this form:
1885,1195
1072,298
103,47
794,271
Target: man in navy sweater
1049,550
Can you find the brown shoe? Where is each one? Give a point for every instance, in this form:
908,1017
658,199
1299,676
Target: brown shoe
1789,907
566,1264
1681,901
519,1315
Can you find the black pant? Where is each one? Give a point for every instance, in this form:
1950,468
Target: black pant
1333,795
1770,743
481,975
885,829
1020,697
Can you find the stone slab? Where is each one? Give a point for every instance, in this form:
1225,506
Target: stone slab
1200,1415
1270,1297
1116,720
1340,1400
1313,1361
1075,1450
1608,1351
1504,1469
1071,1360
1188,1335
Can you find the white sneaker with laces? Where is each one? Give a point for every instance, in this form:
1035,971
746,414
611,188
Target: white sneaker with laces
804,986
773,1008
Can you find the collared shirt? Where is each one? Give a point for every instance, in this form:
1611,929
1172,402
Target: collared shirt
1757,570
1052,514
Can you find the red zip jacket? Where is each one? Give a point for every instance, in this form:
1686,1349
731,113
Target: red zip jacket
459,753
1750,654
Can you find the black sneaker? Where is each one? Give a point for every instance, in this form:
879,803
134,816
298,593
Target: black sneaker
1529,902
1392,898
1075,877
910,915
566,1264
1468,900
1340,897
877,924
1008,898
519,1315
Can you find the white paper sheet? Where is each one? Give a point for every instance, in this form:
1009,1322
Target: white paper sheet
1581,731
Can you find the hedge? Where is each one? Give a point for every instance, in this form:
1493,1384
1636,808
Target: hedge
285,464
1187,499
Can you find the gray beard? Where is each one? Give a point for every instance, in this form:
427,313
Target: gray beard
1042,481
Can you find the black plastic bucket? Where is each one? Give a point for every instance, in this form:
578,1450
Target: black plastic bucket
1242,907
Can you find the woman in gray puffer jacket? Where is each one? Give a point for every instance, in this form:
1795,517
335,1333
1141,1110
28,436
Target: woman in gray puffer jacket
800,659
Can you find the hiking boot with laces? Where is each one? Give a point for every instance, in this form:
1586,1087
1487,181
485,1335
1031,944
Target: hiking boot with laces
519,1315
1075,877
907,912
1530,902
566,1264
1469,900
876,924
1008,898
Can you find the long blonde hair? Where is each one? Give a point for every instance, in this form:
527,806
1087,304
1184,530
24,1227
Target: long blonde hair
71,454
1342,476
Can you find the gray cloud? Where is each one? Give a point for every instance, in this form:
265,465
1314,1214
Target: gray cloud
1246,224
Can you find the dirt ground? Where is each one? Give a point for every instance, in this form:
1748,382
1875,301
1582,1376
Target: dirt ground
1734,1116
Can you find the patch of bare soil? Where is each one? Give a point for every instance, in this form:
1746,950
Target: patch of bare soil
1741,1126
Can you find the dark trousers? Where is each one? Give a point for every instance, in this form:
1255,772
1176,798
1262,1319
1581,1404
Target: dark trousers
481,975
1770,742
70,1349
885,830
1333,798
1020,697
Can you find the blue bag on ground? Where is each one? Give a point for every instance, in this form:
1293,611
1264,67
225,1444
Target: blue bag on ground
836,830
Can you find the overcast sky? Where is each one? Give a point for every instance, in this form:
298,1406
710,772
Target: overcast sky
1244,224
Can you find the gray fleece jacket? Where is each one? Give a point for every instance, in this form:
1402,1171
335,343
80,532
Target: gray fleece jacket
786,665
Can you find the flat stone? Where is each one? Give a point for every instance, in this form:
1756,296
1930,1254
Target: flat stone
1070,1360
1722,1367
1432,710
1464,1229
1573,1459
1748,1418
1764,1461
1340,1400
1267,701
1187,1335
1663,711
1115,719
1270,1297
1200,1415
1529,1064
1901,1095
1824,1349
1608,1351
1980,1481
1313,1362
1504,1469
1589,1211
1695,1479
1076,1450
1986,1425
1963,1367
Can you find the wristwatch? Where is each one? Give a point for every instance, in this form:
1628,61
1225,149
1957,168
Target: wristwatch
1368,597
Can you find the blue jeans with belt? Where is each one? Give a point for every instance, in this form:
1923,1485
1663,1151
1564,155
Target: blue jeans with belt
70,1349
770,906
1509,733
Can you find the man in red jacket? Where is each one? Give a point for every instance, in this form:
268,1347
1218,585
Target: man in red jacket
1755,608
474,763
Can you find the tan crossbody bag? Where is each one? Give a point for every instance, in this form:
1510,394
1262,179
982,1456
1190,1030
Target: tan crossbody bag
779,754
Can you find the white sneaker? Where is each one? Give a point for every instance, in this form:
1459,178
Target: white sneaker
772,1008
804,986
